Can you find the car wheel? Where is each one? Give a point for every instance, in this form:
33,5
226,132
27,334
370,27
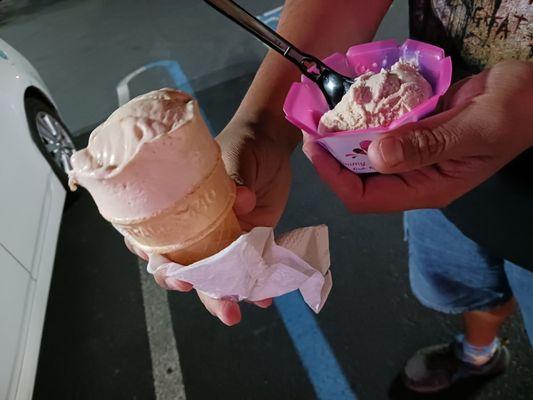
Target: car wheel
51,136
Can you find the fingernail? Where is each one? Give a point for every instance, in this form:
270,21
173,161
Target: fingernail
264,303
305,150
391,151
308,151
229,313
173,283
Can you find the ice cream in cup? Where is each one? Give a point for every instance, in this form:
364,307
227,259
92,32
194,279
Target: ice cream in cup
393,85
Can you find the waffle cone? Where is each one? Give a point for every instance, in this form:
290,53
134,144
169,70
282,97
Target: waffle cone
219,238
193,228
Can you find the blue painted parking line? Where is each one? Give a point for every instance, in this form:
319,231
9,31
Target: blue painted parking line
176,73
180,81
271,18
314,351
312,347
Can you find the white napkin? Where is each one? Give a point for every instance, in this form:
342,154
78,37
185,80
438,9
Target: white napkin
254,267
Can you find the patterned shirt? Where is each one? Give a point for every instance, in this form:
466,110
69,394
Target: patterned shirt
477,33
498,214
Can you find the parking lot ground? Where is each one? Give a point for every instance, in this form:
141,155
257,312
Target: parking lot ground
96,340
102,336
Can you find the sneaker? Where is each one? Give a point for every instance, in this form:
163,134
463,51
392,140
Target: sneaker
436,368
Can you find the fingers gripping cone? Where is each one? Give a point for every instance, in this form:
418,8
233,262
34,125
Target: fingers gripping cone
157,175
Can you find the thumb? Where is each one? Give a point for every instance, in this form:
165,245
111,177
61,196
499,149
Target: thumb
245,201
448,135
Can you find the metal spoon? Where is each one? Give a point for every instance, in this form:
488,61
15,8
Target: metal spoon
332,84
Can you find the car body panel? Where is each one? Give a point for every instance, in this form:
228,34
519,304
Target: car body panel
23,170
14,287
38,291
30,216
26,71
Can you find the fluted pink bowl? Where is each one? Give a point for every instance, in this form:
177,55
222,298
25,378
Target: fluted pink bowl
305,104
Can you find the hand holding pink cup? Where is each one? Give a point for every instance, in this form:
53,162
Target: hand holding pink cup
305,104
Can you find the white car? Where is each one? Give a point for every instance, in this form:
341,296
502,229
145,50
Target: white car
36,148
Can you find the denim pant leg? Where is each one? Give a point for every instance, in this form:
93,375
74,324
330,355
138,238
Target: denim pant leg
449,272
521,281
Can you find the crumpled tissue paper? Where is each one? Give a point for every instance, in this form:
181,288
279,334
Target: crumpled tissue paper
255,267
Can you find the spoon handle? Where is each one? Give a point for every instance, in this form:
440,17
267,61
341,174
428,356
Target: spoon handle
269,37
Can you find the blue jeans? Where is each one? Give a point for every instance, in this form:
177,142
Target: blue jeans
452,274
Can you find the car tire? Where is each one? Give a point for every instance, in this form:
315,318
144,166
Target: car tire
51,136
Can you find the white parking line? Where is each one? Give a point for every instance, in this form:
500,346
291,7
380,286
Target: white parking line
271,18
123,90
166,369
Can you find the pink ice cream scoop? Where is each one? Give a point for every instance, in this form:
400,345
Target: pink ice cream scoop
377,99
157,175
135,162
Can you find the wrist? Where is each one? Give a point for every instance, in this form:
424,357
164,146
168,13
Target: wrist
270,125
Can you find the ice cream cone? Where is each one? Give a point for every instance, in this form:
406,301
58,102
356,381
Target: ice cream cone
157,175
197,226
216,240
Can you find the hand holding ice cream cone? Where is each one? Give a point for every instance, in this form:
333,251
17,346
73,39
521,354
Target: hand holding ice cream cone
157,175
134,196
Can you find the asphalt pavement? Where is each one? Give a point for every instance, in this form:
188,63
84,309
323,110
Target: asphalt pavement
101,339
84,48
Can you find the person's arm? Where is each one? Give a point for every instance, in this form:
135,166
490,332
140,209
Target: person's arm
257,143
316,27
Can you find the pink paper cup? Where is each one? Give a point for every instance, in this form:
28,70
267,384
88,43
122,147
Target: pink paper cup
305,104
